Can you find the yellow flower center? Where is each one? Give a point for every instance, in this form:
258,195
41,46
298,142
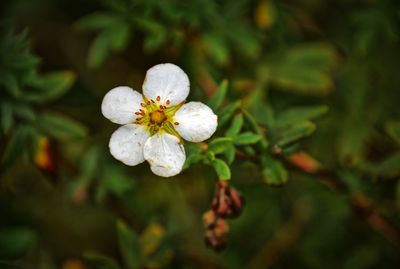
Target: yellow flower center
158,116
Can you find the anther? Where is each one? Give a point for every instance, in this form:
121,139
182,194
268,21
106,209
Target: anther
176,123
143,104
161,106
148,102
168,102
158,98
152,101
138,113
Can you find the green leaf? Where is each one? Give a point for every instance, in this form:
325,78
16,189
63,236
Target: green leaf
393,129
295,133
11,84
236,126
222,169
6,117
216,48
246,138
219,145
15,242
129,246
97,21
113,38
390,166
99,261
274,173
304,69
60,127
230,153
20,142
256,128
113,181
50,86
300,114
219,96
226,114
193,154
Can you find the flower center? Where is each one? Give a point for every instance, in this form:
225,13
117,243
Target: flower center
157,117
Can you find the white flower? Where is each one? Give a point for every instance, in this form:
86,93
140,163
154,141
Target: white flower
153,124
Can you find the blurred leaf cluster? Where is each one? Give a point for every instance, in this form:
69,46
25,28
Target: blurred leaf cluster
307,97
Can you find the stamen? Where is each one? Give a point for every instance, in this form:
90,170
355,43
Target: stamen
141,110
139,119
143,104
138,122
176,123
168,102
161,106
152,101
138,113
148,103
158,98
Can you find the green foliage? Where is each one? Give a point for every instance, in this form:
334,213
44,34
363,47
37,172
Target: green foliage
303,90
22,87
15,242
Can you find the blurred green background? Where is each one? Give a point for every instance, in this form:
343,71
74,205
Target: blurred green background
307,94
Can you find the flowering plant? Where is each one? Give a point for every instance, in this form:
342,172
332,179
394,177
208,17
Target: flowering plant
155,124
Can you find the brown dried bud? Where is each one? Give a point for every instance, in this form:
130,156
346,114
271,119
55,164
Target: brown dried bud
227,203
209,219
214,242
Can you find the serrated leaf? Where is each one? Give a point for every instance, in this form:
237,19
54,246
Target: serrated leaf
236,126
219,96
295,133
129,245
99,261
219,145
222,169
274,173
60,126
300,114
246,138
50,86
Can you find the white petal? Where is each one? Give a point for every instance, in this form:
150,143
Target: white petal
120,104
127,142
197,122
165,154
168,81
